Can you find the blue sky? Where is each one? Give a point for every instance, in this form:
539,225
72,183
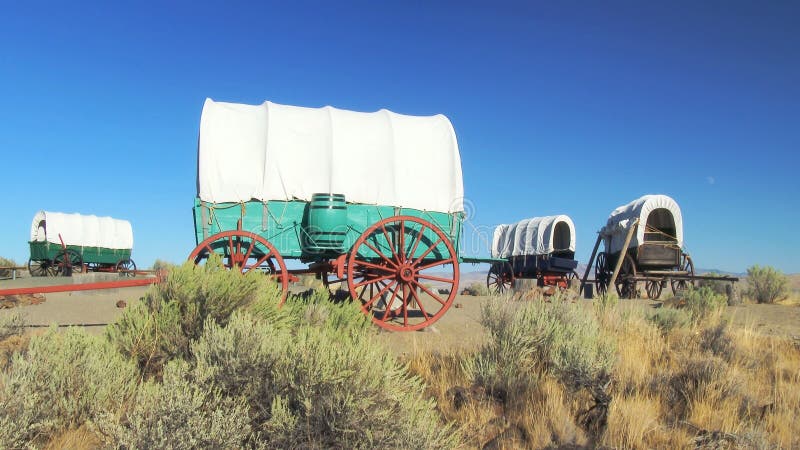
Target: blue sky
559,107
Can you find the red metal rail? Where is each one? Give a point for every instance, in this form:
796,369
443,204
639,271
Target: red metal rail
80,287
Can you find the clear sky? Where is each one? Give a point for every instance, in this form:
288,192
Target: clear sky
559,107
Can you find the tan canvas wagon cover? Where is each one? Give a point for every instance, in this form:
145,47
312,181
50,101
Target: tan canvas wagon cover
535,236
81,230
622,218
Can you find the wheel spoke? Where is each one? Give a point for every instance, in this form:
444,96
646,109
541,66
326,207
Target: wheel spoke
430,249
262,260
419,304
375,266
434,264
391,243
420,235
435,297
379,294
401,247
433,278
374,280
379,253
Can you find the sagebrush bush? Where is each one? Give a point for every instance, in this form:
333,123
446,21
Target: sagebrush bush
159,265
667,319
11,325
718,286
177,413
173,312
766,284
559,338
703,303
5,262
61,381
321,383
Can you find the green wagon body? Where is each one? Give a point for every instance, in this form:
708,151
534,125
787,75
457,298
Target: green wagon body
286,226
43,251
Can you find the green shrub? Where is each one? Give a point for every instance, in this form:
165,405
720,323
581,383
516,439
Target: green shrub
319,384
606,302
766,284
62,381
161,265
5,262
702,303
177,414
718,286
172,313
668,319
477,288
11,325
557,338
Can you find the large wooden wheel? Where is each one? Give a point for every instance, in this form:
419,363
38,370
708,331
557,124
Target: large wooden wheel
67,262
653,288
626,279
602,274
687,267
396,268
245,251
500,278
126,267
41,268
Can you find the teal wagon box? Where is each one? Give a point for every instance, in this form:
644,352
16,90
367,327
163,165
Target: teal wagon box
372,203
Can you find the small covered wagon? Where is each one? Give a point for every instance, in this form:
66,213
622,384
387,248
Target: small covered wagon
645,240
541,248
64,243
372,203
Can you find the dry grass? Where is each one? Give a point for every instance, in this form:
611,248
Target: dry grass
78,439
704,385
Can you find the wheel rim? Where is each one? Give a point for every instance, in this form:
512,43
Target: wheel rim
68,260
687,265
245,251
391,266
126,268
626,283
653,289
500,278
601,275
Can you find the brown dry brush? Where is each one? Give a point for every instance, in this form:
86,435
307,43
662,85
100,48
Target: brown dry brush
552,375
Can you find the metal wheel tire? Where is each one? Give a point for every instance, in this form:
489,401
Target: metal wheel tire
653,289
500,278
126,267
67,262
626,282
687,265
391,266
245,251
602,275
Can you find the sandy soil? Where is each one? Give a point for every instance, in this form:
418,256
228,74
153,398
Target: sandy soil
458,329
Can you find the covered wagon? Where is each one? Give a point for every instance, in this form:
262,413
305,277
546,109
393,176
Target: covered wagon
64,243
652,228
541,248
372,203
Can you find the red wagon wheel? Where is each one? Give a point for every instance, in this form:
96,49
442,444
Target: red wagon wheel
68,262
500,278
393,267
126,267
245,251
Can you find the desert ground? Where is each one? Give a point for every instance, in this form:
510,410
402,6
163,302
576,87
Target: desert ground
458,329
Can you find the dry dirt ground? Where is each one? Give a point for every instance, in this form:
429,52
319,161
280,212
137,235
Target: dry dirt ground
458,329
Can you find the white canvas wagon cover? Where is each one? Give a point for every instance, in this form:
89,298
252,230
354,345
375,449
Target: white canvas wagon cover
622,218
81,230
536,236
279,152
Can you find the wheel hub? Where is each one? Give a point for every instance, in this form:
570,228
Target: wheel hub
406,273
